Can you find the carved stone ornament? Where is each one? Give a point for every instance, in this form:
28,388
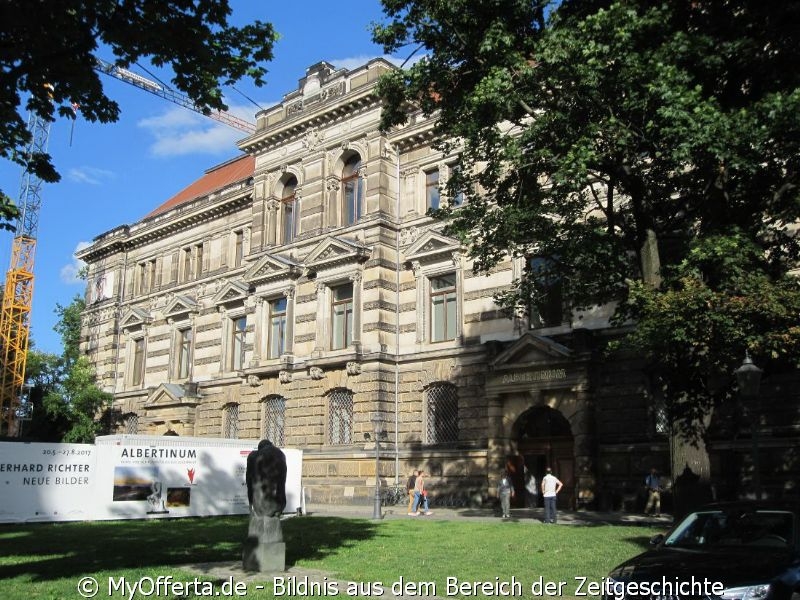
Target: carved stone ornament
253,380
312,139
353,368
285,376
332,184
316,373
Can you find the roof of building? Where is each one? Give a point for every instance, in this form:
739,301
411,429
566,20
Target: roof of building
215,178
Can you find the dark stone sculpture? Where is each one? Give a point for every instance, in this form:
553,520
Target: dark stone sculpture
264,549
266,480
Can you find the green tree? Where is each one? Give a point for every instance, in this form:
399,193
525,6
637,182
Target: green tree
649,150
47,52
67,402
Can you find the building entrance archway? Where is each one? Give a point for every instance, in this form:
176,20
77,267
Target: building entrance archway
544,439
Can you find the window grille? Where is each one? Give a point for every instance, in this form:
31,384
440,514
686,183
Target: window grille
131,423
230,422
442,414
340,423
661,420
274,419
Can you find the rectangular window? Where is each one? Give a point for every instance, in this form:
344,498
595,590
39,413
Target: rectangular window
288,219
353,199
342,316
432,189
443,308
458,198
137,373
184,353
547,308
187,264
239,327
238,248
277,327
198,261
141,276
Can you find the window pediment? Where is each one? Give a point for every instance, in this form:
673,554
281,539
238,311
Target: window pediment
432,247
170,395
232,292
336,251
272,268
531,349
180,307
136,318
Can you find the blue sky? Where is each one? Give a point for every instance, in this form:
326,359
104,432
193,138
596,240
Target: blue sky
115,174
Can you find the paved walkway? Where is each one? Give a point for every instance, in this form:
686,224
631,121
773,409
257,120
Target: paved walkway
521,515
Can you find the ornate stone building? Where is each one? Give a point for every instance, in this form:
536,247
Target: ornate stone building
299,291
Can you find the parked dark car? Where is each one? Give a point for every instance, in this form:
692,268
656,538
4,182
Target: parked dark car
736,551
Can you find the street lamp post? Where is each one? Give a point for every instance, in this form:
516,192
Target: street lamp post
378,433
748,378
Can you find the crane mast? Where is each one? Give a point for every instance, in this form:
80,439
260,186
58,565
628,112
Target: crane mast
18,289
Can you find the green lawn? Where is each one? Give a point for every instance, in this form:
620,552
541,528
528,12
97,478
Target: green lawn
47,561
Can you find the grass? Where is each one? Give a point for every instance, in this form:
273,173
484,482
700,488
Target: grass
47,560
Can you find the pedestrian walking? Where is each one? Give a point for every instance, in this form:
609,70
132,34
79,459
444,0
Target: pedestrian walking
412,480
420,496
505,491
652,484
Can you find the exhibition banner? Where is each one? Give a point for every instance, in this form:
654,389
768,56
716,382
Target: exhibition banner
124,477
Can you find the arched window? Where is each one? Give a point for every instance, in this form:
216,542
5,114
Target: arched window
274,419
230,421
340,417
352,190
290,211
441,413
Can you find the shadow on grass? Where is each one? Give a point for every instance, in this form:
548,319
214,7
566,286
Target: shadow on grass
50,551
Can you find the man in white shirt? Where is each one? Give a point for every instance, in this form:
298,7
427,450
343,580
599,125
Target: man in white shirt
551,485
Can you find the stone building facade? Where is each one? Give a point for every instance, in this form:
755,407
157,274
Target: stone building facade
299,292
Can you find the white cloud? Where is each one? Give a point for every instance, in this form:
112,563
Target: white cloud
89,175
69,272
179,131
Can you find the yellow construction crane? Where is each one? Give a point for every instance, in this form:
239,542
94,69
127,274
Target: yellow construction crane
18,290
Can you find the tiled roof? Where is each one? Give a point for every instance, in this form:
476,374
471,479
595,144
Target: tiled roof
215,178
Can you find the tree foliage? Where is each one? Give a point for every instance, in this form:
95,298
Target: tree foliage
47,53
67,402
595,132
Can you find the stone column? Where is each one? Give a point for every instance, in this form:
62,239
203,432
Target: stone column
583,432
357,310
289,292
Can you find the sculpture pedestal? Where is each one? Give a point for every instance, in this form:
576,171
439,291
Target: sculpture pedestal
264,550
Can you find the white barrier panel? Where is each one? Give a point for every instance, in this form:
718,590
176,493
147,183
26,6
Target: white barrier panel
47,482
124,477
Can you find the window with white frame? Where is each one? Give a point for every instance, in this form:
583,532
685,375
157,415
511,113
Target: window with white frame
441,413
184,354
432,189
340,417
138,361
352,191
238,336
443,308
230,421
341,316
277,328
274,419
290,213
